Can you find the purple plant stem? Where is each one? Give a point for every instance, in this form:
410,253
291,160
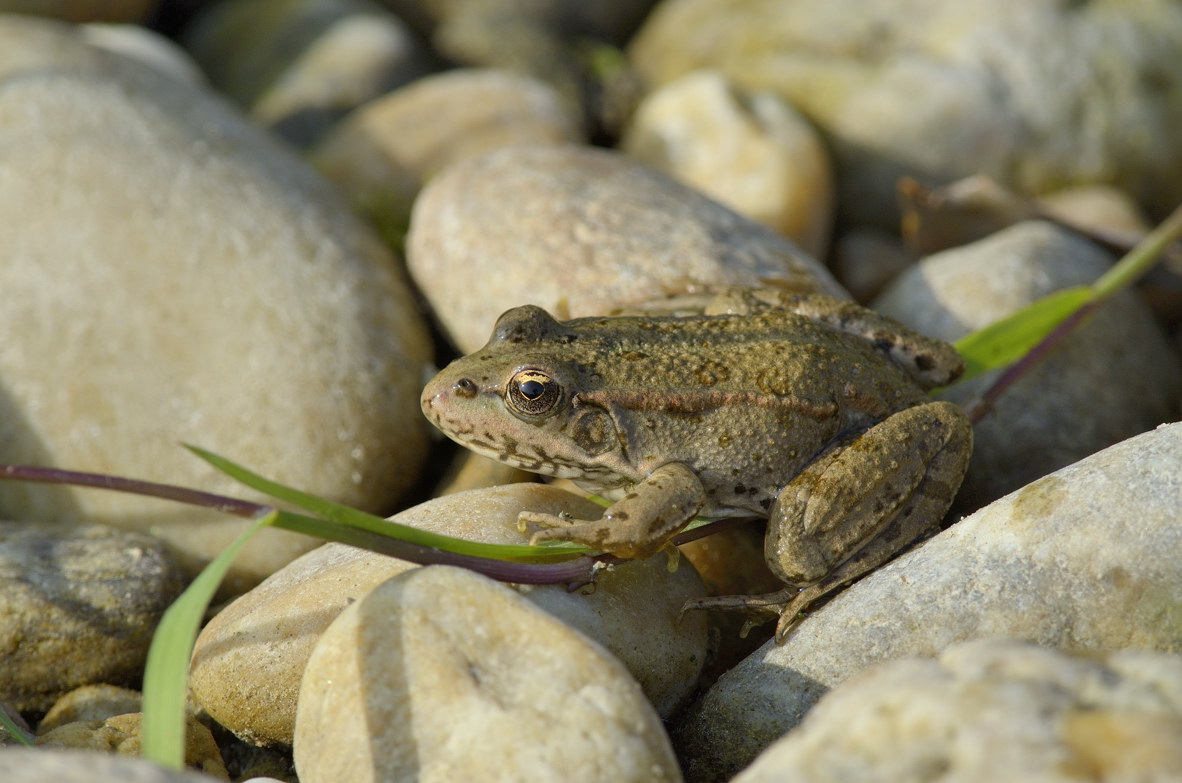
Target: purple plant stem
1035,355
576,572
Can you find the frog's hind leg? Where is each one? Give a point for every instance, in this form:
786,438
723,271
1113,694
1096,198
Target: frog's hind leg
856,507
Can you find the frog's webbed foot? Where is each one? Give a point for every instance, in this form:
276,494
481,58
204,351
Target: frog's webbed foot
639,524
787,607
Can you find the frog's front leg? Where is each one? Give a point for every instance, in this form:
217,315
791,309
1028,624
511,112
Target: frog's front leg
857,506
638,524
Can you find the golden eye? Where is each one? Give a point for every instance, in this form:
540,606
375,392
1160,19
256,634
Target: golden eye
533,392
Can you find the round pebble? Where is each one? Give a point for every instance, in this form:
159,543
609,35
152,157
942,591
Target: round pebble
78,605
987,711
580,231
444,674
750,152
194,282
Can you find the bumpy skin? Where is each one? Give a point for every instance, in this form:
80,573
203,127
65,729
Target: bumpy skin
804,409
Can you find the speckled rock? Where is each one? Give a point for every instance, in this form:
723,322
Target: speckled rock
301,65
988,711
72,766
442,674
1115,377
750,152
193,282
248,660
1083,559
120,734
78,605
1037,94
381,154
580,231
90,702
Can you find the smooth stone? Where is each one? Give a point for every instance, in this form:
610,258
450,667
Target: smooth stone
580,231
443,674
1084,559
91,702
194,282
144,47
1114,377
750,152
301,65
1037,95
249,658
78,605
121,734
382,153
988,711
72,766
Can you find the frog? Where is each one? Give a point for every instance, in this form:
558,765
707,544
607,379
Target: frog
809,411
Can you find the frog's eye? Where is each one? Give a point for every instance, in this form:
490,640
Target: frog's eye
533,392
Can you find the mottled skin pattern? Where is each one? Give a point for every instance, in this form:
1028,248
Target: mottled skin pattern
807,410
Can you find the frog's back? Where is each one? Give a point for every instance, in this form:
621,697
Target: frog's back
747,401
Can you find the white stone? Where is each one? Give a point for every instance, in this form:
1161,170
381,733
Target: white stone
751,152
441,674
171,274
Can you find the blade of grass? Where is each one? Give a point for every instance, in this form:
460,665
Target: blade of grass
351,517
1004,342
1141,258
167,671
15,731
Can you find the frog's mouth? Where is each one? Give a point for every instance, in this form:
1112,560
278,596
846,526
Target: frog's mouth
476,418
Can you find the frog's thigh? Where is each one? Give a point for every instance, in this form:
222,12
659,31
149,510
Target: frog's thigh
640,523
857,506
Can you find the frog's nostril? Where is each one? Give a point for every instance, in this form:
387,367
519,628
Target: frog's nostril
465,387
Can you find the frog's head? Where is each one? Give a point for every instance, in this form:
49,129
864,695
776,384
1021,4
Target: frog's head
518,400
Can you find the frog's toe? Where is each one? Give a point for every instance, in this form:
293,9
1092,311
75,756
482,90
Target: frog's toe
758,609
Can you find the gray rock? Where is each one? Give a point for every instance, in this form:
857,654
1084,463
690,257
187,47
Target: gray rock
750,152
301,65
580,231
381,154
1083,559
91,702
172,275
988,711
122,735
249,658
1038,95
1114,377
71,766
77,606
442,674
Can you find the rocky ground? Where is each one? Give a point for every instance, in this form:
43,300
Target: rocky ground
256,225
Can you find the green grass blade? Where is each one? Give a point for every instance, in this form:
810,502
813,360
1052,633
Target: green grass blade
351,517
15,731
1005,341
1141,258
167,672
